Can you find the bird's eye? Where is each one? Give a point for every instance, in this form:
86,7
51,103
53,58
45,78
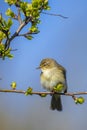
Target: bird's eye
45,64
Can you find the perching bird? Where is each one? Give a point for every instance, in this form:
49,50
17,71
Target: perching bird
51,75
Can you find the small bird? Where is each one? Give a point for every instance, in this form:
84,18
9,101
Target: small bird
51,75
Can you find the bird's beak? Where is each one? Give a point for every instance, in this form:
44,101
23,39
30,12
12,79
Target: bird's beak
38,67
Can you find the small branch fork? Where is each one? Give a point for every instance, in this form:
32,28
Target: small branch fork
72,94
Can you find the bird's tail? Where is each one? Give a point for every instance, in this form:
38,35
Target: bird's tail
56,102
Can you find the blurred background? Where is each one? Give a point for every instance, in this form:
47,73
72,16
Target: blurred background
65,40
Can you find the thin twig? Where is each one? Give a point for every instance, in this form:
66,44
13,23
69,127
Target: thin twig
14,49
39,93
12,91
19,16
26,34
55,15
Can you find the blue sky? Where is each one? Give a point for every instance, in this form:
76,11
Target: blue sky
62,39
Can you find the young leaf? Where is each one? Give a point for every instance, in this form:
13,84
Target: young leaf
43,95
13,85
29,37
80,100
10,13
58,88
29,91
9,23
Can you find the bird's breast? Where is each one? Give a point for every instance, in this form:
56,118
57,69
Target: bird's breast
50,78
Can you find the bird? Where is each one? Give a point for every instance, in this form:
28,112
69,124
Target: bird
53,74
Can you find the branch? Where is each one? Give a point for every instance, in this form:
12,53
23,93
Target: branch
54,15
29,91
39,93
19,15
7,44
26,34
12,91
14,49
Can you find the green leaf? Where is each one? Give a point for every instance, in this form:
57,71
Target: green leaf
10,2
43,95
5,53
29,7
9,23
2,48
10,13
35,14
10,56
5,25
29,91
29,37
46,7
2,36
35,4
58,88
23,6
33,29
13,85
80,100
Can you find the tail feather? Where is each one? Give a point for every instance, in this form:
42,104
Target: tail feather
56,102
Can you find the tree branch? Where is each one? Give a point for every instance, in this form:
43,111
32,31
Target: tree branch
39,93
54,15
12,91
26,34
19,15
25,22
